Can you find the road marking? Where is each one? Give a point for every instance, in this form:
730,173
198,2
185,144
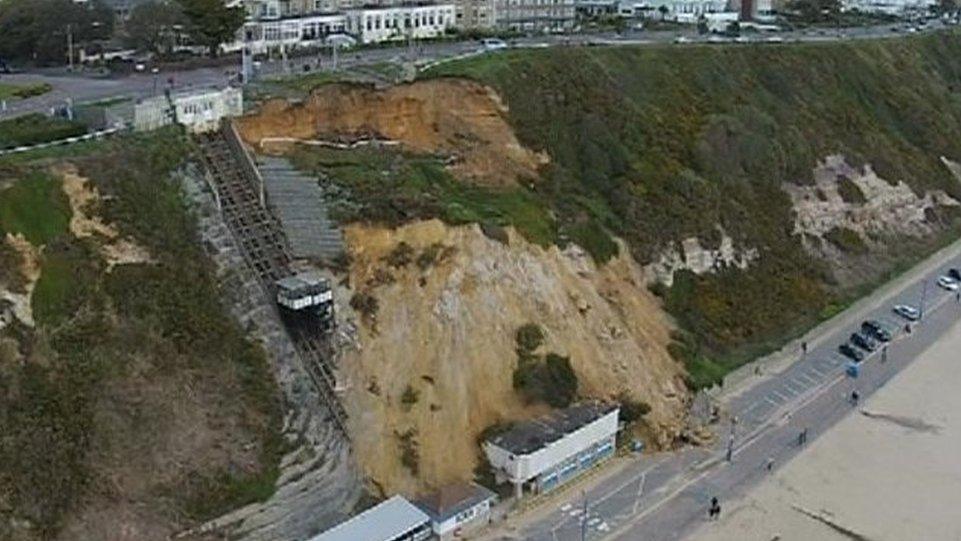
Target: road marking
640,492
779,395
794,385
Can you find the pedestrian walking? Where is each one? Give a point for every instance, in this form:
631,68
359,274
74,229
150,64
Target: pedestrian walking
714,512
855,396
957,297
802,437
770,463
730,449
884,354
804,348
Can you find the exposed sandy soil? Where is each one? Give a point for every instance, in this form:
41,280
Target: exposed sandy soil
891,473
18,295
448,332
83,197
451,117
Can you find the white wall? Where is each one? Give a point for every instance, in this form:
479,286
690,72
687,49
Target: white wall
525,467
376,25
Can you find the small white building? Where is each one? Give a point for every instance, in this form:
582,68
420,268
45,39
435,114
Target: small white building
197,110
417,21
545,453
395,519
457,508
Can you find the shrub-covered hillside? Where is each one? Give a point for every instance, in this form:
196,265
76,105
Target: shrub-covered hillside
658,144
132,402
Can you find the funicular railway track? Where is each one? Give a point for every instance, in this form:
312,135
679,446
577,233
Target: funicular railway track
265,250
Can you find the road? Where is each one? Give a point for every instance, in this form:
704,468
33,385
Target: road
666,497
85,88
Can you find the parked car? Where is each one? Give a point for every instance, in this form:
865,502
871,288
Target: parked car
875,329
954,273
946,282
907,312
851,352
682,39
864,341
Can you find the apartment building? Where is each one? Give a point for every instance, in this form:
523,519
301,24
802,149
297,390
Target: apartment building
375,24
535,15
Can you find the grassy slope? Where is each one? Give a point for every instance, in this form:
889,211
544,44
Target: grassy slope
656,144
138,328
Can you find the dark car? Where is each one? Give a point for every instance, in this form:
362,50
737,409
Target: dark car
851,352
877,331
863,341
955,274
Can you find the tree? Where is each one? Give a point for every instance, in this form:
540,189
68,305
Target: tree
212,22
155,26
662,9
38,30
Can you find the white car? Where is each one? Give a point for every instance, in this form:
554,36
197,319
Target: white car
907,312
775,39
682,39
493,44
948,283
742,39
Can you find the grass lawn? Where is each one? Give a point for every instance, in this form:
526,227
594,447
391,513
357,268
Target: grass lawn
22,91
35,207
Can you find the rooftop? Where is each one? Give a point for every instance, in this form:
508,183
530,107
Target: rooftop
452,499
384,521
528,436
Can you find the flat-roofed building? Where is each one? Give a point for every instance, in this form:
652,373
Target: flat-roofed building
545,453
395,519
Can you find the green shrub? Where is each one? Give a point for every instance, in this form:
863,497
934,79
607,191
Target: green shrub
409,450
400,256
551,380
847,240
409,397
529,337
632,410
35,128
595,240
850,192
365,304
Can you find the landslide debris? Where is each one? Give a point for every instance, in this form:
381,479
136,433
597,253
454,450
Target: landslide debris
437,353
456,119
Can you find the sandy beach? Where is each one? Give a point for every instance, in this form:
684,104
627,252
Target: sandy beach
892,471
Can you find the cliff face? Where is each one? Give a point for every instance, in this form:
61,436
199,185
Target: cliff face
459,119
445,329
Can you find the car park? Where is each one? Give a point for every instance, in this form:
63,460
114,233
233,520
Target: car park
851,352
874,328
863,341
907,312
946,282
